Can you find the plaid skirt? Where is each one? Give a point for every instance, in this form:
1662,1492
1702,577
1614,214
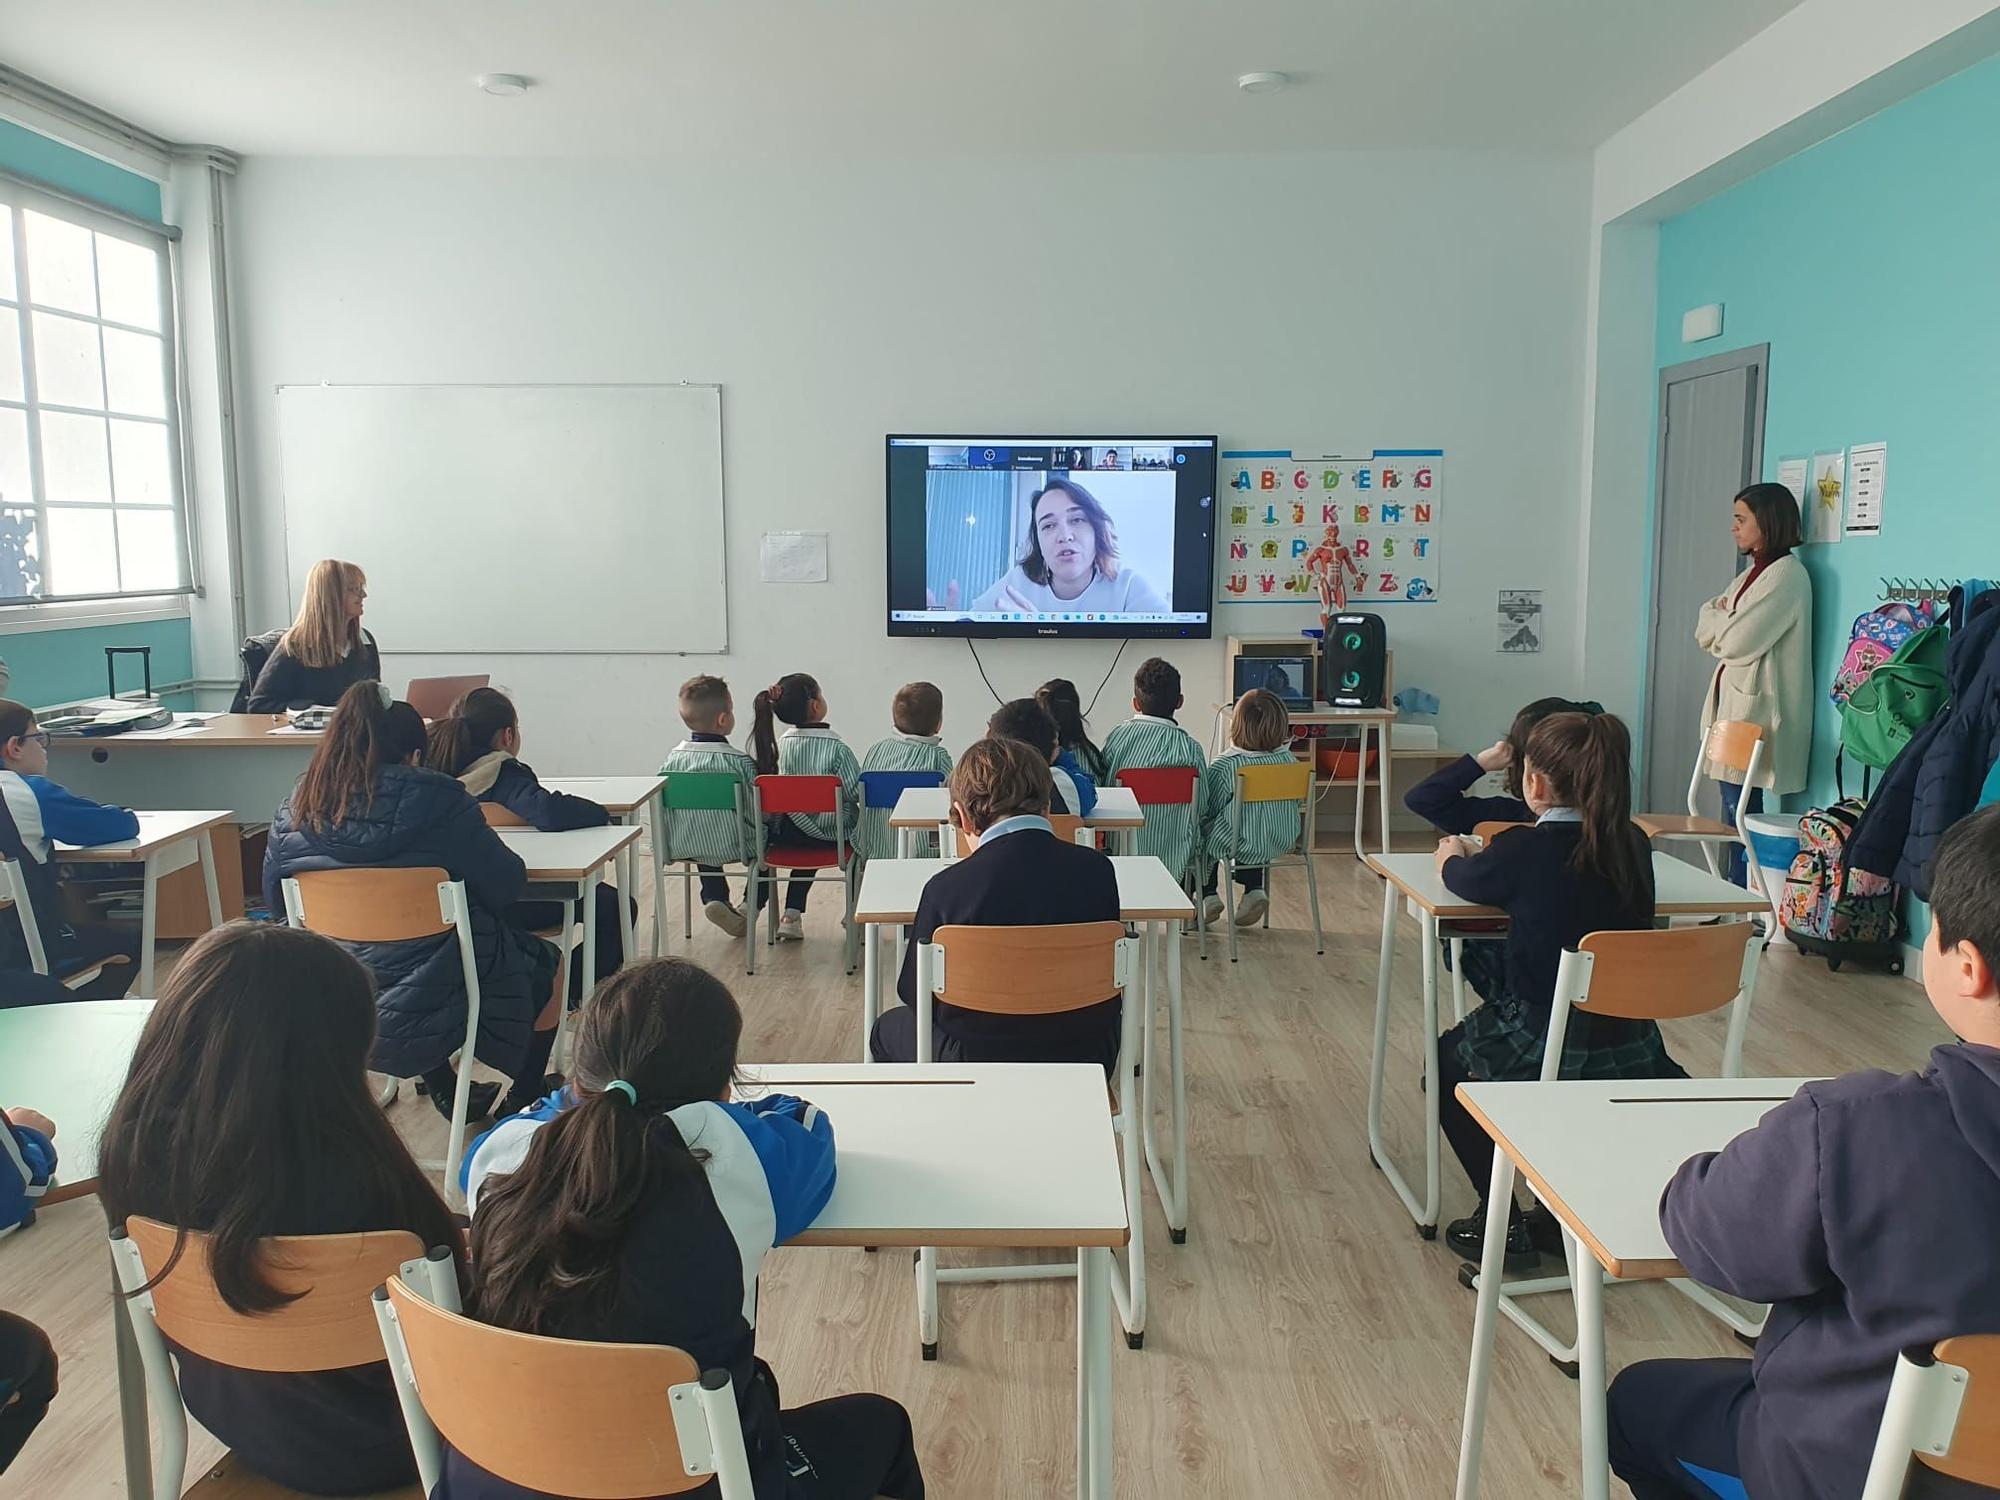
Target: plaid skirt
1502,1042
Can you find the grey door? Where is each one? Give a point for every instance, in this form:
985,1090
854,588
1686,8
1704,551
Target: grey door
1711,446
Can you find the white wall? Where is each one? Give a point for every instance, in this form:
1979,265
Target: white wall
1398,299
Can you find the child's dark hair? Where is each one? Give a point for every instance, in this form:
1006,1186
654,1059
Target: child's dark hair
1259,722
1965,884
1157,686
1065,705
1523,725
1025,720
369,730
1588,761
790,698
16,719
480,717
918,709
548,1236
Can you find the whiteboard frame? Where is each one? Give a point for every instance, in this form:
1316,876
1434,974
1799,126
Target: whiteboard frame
722,471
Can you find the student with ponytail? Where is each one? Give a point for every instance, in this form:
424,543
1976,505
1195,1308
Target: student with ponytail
806,748
479,742
1065,705
364,801
1582,867
636,1205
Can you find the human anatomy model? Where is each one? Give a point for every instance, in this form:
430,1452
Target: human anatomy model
1331,564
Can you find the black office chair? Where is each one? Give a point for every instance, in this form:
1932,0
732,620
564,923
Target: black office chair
254,652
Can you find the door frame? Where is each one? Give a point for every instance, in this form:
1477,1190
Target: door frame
1756,359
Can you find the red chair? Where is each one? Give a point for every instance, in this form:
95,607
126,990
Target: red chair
807,796
1167,786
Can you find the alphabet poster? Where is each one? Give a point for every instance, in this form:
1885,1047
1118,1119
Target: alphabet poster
1277,506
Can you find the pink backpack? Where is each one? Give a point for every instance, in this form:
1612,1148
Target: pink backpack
1874,638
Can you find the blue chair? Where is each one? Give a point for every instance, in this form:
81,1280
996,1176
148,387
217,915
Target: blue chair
880,791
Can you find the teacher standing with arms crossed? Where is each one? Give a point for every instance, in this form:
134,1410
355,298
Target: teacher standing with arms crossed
326,651
1760,630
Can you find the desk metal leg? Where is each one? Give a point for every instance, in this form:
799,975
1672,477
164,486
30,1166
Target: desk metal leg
1382,768
149,924
132,1416
1589,1285
588,895
1492,1266
657,858
627,864
1360,784
1093,1375
871,997
1425,1210
206,848
1173,1190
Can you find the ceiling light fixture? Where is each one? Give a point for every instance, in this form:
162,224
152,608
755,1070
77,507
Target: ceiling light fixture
1261,83
504,85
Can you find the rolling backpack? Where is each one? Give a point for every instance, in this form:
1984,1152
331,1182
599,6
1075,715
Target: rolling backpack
1831,911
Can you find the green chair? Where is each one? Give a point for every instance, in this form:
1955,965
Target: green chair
708,815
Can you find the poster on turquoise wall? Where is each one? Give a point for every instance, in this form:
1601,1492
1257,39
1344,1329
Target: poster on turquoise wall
1285,512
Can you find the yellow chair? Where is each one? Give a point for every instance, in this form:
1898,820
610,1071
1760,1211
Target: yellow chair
1262,785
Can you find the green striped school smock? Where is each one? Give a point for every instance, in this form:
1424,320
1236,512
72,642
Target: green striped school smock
1142,742
1269,828
899,752
815,750
710,837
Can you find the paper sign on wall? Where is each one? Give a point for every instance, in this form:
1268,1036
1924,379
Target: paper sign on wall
1277,508
1867,478
1826,495
1792,475
1518,622
793,557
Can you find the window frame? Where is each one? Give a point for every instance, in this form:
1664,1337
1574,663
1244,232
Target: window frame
19,196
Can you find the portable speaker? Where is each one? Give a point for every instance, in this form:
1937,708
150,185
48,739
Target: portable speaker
1356,658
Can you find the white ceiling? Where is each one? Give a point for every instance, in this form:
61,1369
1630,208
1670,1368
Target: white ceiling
646,77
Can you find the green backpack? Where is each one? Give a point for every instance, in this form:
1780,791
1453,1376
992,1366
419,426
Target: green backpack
1897,699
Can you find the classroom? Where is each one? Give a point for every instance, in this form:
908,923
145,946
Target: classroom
790,752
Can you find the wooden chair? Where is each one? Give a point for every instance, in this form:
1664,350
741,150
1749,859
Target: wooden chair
331,1326
1667,974
808,796
387,905
14,893
1258,786
559,1416
1730,744
1944,1412
689,794
1066,826
1041,971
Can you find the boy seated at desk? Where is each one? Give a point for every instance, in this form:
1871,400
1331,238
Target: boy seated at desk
1019,874
1865,1210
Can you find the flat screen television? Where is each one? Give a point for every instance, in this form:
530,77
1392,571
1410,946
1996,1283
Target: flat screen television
1037,535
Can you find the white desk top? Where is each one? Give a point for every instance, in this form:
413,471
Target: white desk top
156,830
1146,890
928,806
621,794
69,1061
569,855
963,1153
1679,889
1600,1152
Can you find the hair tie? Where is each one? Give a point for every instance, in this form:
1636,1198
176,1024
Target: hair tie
631,1094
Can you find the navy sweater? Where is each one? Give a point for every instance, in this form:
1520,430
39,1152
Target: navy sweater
1865,1211
498,777
1440,800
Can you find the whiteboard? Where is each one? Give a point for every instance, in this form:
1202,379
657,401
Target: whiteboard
514,519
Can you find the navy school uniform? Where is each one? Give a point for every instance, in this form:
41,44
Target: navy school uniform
35,814
1021,875
1441,799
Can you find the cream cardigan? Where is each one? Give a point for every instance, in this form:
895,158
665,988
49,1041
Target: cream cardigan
1765,646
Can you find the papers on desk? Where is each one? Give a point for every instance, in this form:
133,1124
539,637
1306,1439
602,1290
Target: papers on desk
293,729
180,729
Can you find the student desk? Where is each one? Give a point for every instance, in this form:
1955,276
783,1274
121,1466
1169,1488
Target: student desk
1680,889
576,857
68,1061
247,763
924,808
167,841
631,800
1147,893
1598,1153
1039,1136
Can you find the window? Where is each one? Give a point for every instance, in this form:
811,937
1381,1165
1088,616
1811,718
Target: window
90,457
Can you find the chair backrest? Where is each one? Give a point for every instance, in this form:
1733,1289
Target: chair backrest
1943,1410
1665,974
884,788
1730,743
806,795
254,653
566,1417
1029,971
1066,826
374,905
1274,783
1485,832
701,791
1161,786
14,885
433,696
330,1325
499,816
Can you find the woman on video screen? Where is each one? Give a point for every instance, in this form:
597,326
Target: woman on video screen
1070,562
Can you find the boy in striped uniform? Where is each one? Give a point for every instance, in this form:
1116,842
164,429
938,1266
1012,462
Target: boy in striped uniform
711,838
918,714
1151,738
1260,734
807,748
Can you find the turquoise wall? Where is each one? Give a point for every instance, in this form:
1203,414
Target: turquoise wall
49,666
1868,263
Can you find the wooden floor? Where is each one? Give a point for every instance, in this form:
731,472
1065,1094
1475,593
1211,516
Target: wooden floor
1303,1342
